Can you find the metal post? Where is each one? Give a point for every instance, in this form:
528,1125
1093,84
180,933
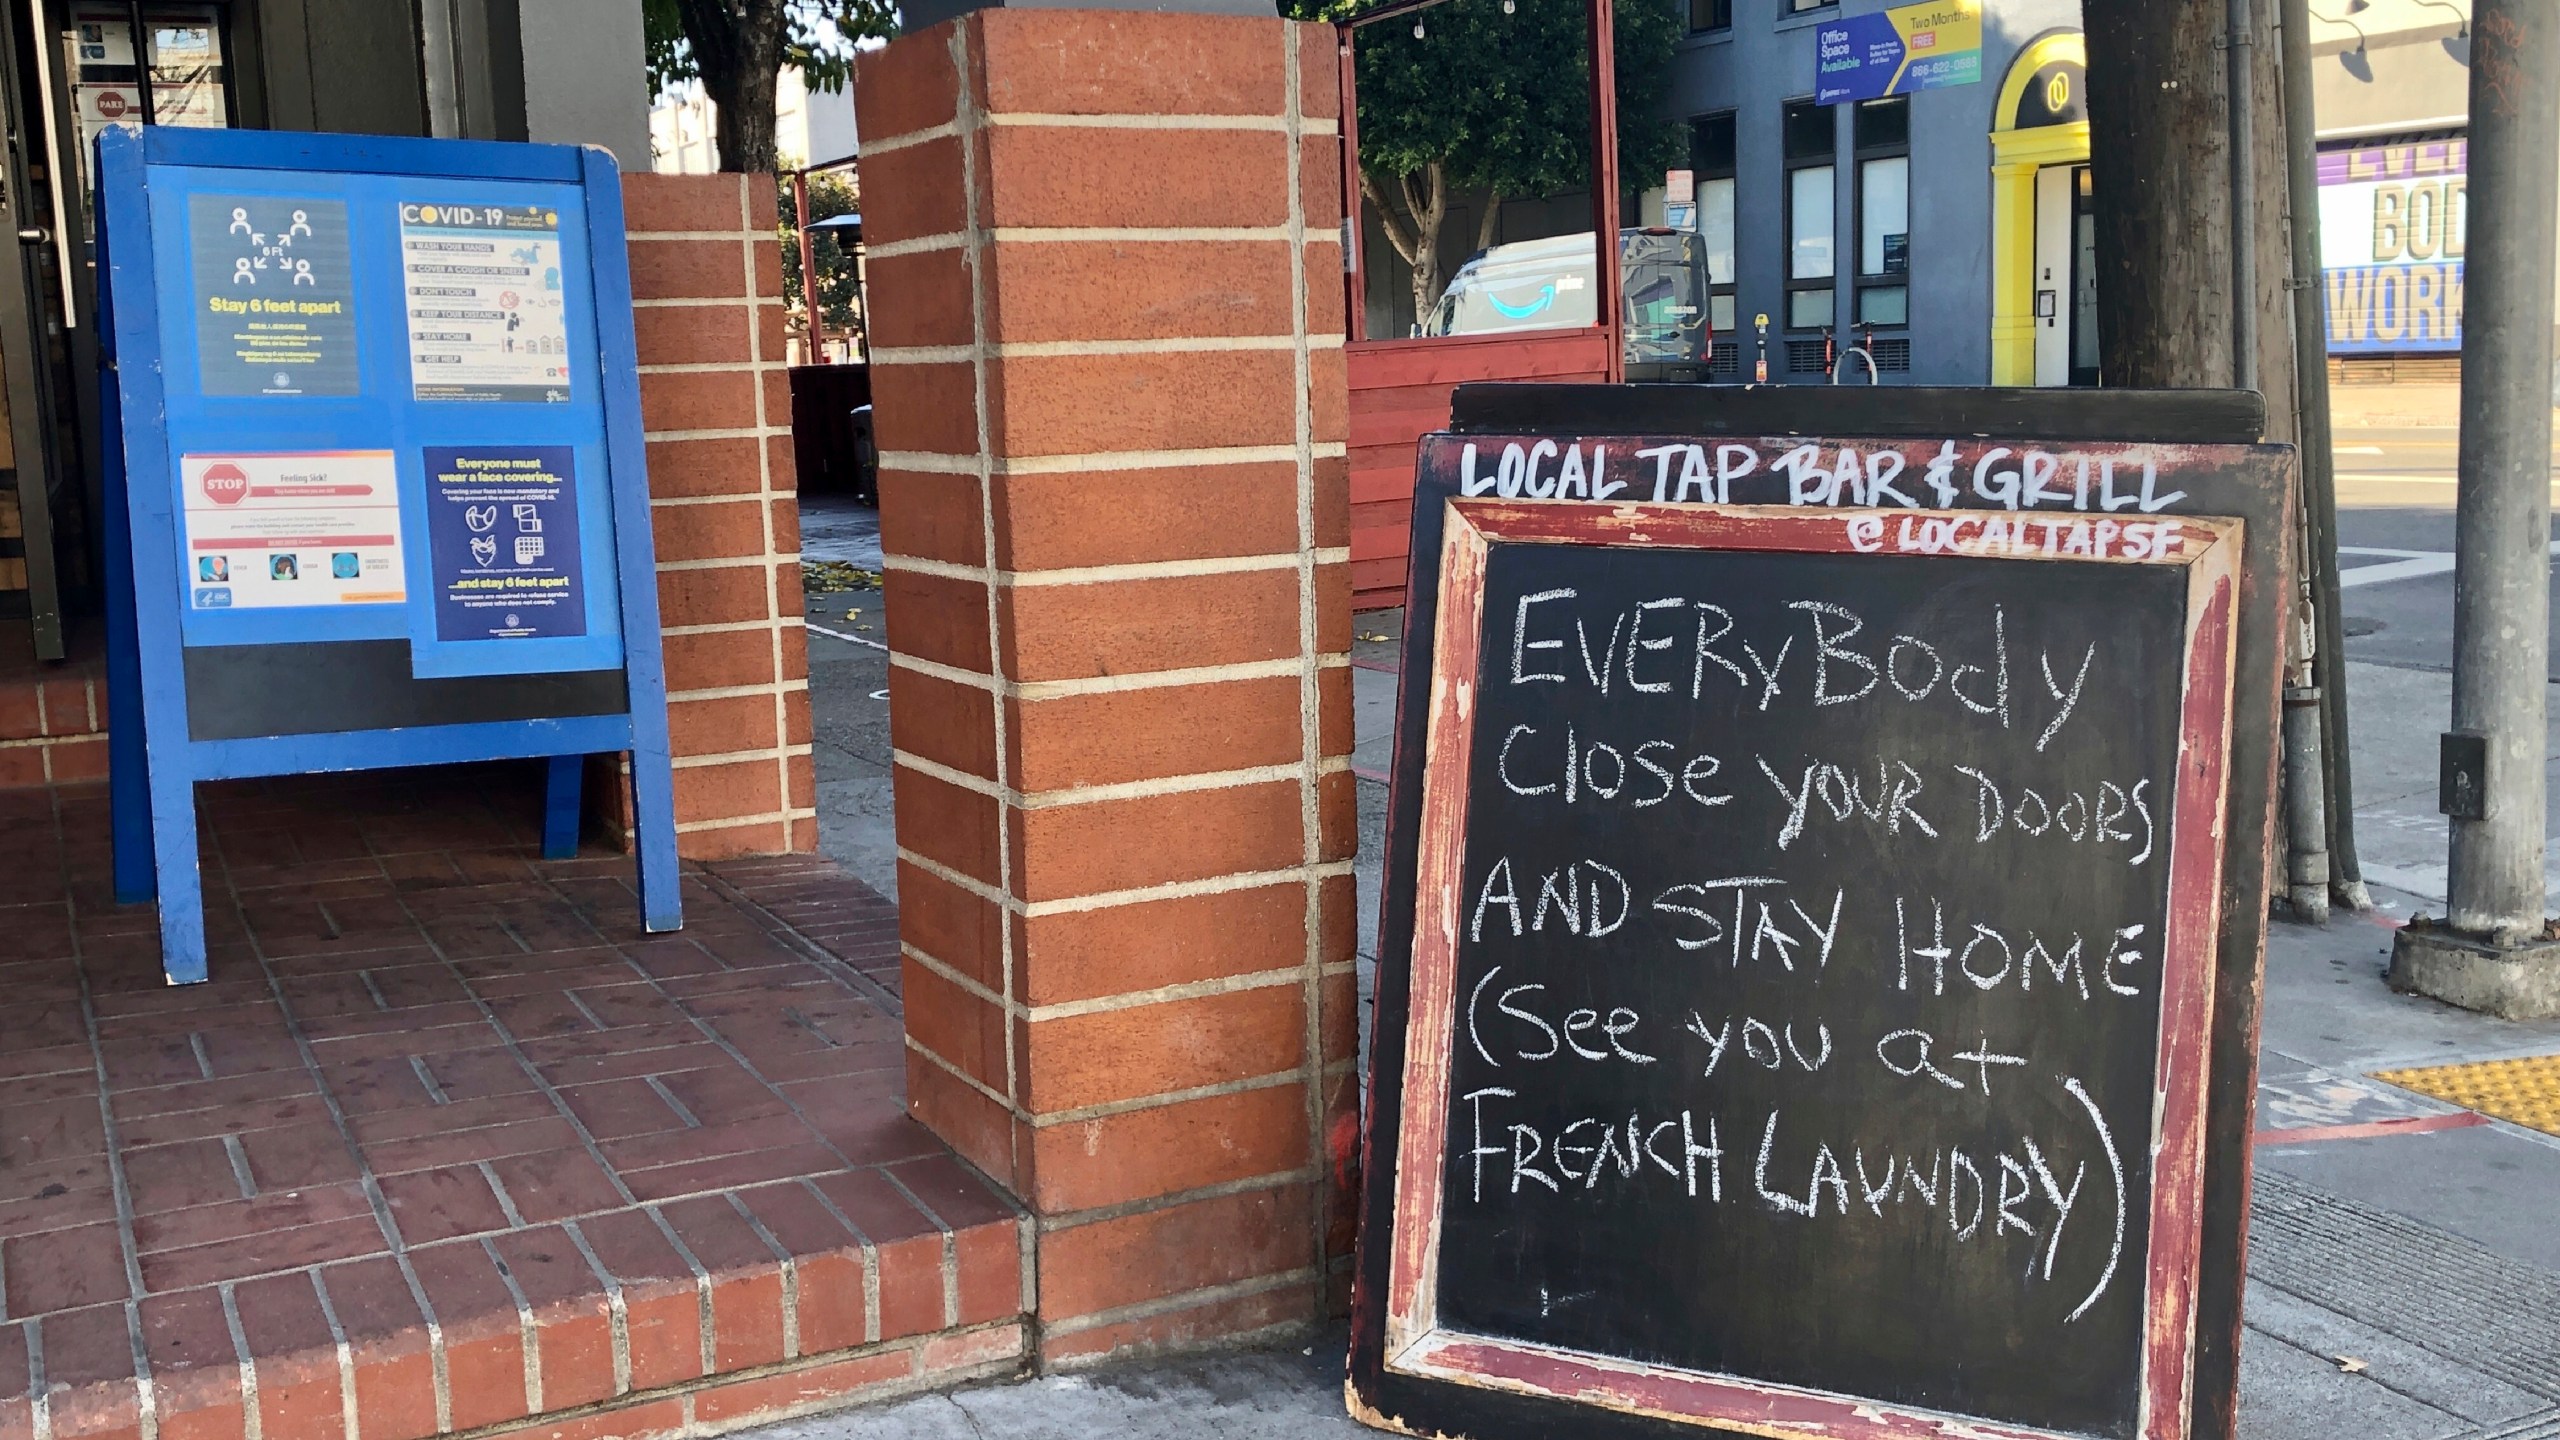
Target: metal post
2241,113
808,267
1604,173
2318,457
436,49
2319,463
2502,524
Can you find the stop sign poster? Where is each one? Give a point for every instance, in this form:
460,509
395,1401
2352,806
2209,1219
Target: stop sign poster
285,529
486,313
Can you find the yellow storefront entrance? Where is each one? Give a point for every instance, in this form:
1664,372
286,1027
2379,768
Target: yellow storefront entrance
2040,131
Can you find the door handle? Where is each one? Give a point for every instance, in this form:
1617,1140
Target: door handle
34,235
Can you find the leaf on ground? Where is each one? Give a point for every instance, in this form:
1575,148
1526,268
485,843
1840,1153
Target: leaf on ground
828,577
2350,1365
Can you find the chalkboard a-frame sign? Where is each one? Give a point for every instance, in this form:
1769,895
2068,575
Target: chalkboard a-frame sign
1822,932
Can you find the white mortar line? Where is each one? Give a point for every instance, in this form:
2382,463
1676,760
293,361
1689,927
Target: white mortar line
922,244
1104,1004
943,131
767,562
752,432
1035,690
737,692
966,117
678,502
1097,794
964,1077
1106,574
1310,688
1112,899
1108,1108
1184,889
740,757
931,461
750,242
1071,349
750,366
1069,234
1205,1295
733,822
1187,120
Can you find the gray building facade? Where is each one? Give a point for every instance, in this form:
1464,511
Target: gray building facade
1750,67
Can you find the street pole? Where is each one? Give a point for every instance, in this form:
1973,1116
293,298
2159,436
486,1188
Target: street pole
2502,524
808,267
2319,462
2240,114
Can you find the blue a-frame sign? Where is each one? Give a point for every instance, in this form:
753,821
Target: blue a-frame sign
380,497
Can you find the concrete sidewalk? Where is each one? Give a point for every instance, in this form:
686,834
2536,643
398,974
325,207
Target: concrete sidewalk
2404,1280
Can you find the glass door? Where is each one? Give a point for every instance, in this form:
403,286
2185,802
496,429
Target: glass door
41,280
2084,281
183,53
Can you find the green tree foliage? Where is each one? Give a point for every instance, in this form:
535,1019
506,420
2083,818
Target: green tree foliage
737,47
831,193
1495,105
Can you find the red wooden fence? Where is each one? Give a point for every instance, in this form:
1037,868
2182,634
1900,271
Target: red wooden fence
1400,393
1400,388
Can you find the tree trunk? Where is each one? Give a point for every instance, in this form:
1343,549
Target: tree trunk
737,44
2161,169
1429,206
1411,218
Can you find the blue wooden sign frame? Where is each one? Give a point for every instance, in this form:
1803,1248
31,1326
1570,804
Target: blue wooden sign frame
161,744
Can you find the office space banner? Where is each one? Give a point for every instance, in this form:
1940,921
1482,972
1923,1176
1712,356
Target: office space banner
1897,51
2394,222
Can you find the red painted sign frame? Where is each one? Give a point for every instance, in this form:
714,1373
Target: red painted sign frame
2209,550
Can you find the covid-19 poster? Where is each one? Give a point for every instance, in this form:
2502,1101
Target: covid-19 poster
502,542
487,319
2394,220
291,529
274,295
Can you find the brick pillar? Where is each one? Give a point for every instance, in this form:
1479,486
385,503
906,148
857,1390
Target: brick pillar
715,398
1106,305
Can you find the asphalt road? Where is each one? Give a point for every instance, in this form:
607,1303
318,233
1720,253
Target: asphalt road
2395,524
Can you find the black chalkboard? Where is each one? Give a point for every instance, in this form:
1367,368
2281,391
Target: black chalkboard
1770,1021
238,691
1815,1090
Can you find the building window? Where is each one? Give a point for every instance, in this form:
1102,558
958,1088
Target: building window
1882,142
1809,133
1711,155
1798,7
1710,15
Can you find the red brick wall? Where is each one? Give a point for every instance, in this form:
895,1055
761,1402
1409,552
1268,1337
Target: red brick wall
1107,331
706,281
53,724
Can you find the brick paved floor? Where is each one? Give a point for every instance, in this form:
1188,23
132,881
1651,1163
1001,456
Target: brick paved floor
446,1142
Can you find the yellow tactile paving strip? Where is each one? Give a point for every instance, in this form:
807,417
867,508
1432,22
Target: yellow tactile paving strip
2525,1091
